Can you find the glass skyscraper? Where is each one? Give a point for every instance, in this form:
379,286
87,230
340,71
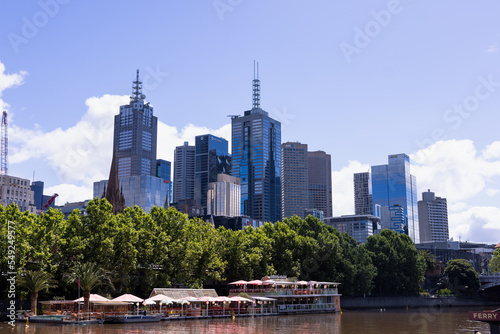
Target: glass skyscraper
135,135
256,145
363,202
134,143
211,158
394,186
164,171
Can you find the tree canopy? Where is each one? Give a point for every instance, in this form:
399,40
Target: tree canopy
164,248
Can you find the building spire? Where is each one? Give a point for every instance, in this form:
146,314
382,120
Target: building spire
137,88
256,86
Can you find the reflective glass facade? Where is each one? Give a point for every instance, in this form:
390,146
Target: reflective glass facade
135,136
164,171
211,158
393,185
144,191
256,145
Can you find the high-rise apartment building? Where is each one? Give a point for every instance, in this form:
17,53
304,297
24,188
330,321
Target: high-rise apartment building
394,186
184,168
363,202
211,158
133,171
319,166
433,217
294,180
224,196
135,135
256,145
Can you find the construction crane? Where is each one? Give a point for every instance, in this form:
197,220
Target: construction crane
4,146
46,205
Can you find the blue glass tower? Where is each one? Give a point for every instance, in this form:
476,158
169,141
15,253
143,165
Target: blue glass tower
256,145
394,186
211,158
164,171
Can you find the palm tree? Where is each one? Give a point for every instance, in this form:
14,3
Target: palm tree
90,276
34,282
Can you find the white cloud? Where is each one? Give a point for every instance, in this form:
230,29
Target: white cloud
453,169
81,154
492,151
70,193
77,154
9,81
492,48
343,187
477,224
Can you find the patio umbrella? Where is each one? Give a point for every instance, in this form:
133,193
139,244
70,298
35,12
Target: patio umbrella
128,298
239,282
93,298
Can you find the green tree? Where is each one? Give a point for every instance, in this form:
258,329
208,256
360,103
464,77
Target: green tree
35,282
400,270
89,276
462,278
495,261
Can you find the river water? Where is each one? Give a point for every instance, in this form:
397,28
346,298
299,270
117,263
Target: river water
431,320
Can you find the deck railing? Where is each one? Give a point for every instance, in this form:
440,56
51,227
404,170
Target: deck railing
305,307
286,292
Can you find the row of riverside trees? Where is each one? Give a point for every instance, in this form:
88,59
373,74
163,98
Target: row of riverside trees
163,248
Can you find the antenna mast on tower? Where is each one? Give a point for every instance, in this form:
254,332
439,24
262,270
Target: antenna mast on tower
5,146
256,87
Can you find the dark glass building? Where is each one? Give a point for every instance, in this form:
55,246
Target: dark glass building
211,158
135,135
319,166
363,202
256,145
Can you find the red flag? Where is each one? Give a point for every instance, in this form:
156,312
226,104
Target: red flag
78,283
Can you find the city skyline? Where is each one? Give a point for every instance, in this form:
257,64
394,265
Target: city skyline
358,81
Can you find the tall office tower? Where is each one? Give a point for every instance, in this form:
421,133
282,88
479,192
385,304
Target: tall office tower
392,186
319,165
363,202
184,167
211,158
224,196
134,147
433,217
256,144
294,180
135,135
164,171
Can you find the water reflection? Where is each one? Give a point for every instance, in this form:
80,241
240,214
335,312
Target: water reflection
431,320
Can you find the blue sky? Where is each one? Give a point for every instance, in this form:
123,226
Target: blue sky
357,80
